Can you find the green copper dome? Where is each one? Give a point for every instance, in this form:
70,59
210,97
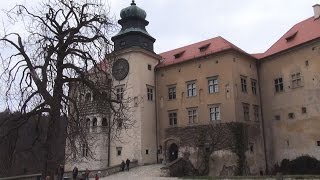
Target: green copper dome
133,11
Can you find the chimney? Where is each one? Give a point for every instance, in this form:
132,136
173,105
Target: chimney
316,9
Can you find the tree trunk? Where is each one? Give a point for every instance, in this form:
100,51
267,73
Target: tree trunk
52,158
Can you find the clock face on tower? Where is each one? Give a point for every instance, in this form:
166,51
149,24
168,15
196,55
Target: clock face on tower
120,69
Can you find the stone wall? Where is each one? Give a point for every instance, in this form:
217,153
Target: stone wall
103,172
24,177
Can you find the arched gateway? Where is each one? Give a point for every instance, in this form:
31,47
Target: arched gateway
173,152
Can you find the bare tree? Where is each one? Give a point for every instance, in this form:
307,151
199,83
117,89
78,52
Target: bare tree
62,45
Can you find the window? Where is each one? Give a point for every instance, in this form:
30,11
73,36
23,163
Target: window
291,35
204,47
88,97
277,117
94,124
149,67
85,150
303,110
104,122
173,119
215,113
246,111
278,84
150,93
243,84
191,89
213,85
147,151
172,92
291,115
251,147
192,115
119,92
119,151
296,80
254,86
87,123
256,112
318,143
178,55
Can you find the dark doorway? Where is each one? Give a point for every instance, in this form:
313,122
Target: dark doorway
173,152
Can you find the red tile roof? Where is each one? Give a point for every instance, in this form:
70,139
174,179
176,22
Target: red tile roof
300,33
203,48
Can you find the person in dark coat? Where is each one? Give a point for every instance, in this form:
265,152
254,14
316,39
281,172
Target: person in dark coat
61,171
123,165
86,174
128,164
75,172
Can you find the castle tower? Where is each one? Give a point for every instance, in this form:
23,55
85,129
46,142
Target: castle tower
133,74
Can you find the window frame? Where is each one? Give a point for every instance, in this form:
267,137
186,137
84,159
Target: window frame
246,111
119,149
278,86
244,86
119,92
296,80
85,150
214,86
216,113
254,86
150,93
172,95
192,115
256,113
191,89
173,118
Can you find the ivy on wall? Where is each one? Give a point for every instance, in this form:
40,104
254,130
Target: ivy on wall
213,137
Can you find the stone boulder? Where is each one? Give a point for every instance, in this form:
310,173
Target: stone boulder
223,163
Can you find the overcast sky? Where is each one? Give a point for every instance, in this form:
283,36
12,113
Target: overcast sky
252,25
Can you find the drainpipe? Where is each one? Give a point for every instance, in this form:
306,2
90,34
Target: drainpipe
262,120
109,139
156,110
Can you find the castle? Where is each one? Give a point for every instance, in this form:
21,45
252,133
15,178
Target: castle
274,96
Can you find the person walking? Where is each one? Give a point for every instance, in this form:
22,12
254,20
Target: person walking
61,172
75,173
123,165
97,177
86,174
128,164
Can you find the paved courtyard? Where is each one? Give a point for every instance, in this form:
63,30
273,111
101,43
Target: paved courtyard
140,173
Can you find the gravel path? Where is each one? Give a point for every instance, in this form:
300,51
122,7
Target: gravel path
140,173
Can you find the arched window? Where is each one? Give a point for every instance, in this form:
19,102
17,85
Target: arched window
87,123
94,124
88,97
85,150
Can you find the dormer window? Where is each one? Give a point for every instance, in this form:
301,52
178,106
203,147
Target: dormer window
204,47
178,55
291,36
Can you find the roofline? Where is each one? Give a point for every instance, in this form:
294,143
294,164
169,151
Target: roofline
137,49
290,49
209,54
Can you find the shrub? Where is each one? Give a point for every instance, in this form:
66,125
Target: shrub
300,165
